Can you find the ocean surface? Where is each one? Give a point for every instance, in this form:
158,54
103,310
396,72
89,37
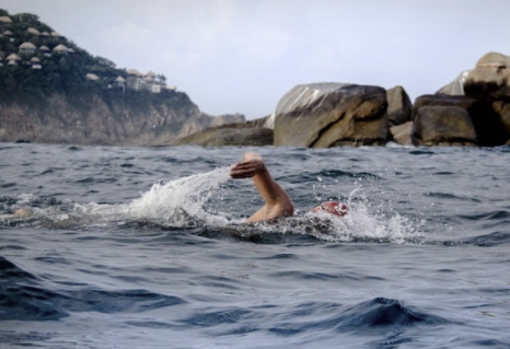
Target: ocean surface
146,248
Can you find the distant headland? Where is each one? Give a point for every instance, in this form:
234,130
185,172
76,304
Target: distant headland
53,91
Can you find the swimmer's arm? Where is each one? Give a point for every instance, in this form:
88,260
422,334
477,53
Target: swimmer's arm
278,203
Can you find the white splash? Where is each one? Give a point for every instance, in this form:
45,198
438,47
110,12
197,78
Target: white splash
172,203
362,223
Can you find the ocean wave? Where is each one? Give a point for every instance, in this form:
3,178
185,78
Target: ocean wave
24,297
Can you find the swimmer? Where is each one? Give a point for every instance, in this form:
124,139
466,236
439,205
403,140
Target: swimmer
277,201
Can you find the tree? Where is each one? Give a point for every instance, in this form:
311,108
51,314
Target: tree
161,78
105,62
27,18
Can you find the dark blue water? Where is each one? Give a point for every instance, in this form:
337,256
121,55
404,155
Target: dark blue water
145,248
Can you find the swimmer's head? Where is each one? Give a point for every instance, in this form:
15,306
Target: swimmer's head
334,207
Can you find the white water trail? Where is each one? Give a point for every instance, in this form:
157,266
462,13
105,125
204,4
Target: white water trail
173,203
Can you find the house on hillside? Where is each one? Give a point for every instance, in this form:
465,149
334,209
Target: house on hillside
120,82
33,31
143,82
27,47
13,59
45,51
5,21
61,49
150,76
92,77
35,62
133,80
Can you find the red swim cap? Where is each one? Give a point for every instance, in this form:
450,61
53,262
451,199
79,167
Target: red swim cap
333,207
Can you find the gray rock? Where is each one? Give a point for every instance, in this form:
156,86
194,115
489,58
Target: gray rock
488,125
456,87
229,136
399,106
402,134
323,115
502,109
443,125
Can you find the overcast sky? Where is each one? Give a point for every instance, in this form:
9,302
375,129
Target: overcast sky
243,55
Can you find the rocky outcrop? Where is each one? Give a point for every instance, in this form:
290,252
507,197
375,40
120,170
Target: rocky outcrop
228,136
107,119
474,109
325,115
248,133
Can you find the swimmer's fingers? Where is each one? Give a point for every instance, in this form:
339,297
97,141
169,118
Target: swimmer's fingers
247,169
242,171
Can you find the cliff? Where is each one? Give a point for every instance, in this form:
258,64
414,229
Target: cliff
102,118
53,91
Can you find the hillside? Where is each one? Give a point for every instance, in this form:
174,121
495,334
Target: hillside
53,91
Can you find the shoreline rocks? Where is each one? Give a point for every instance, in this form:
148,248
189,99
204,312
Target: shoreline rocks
473,110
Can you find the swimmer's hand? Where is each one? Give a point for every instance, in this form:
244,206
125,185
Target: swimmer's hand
247,168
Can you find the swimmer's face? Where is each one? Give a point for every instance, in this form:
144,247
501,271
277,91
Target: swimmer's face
334,207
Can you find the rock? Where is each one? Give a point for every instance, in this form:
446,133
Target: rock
229,135
487,123
402,134
443,125
456,87
264,122
323,115
131,119
502,109
444,100
490,78
399,106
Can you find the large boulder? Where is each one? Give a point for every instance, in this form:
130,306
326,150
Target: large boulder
323,115
443,125
487,123
399,106
490,79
